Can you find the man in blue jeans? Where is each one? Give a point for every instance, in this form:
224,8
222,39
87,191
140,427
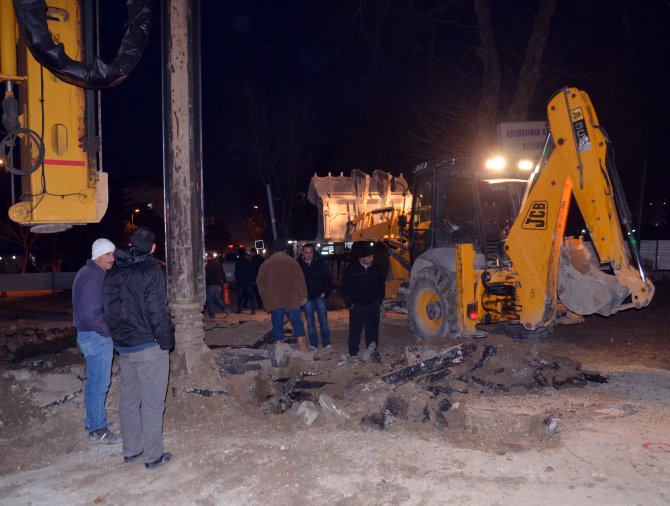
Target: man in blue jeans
215,277
93,338
317,278
283,290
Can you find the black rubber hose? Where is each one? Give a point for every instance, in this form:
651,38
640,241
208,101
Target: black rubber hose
31,16
10,141
8,144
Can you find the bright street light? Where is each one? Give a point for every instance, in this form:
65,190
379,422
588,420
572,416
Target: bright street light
496,164
526,165
132,215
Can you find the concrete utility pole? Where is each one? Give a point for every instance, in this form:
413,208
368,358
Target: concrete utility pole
182,174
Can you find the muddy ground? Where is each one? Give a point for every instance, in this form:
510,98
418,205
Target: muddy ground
509,423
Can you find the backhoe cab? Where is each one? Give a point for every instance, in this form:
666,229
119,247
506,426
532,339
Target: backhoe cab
492,251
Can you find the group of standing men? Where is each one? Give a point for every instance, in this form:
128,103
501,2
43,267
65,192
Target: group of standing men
246,271
120,303
125,307
286,285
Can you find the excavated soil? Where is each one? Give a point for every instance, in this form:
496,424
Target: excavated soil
578,417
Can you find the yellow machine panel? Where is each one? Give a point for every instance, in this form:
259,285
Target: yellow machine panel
66,188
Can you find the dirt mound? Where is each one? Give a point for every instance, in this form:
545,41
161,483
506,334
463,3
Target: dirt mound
418,388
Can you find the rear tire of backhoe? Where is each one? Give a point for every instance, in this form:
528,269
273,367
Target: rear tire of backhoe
432,303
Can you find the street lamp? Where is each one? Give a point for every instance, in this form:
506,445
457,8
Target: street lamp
132,215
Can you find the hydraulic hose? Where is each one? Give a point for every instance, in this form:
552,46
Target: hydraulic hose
10,122
31,16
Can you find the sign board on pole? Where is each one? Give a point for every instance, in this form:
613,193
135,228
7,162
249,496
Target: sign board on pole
522,140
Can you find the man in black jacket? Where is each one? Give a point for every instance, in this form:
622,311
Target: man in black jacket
215,277
363,291
136,309
317,278
256,260
245,277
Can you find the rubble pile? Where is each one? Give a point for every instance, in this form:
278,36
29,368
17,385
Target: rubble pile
20,341
427,384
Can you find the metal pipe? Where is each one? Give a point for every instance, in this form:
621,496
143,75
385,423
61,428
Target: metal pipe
272,212
182,175
642,188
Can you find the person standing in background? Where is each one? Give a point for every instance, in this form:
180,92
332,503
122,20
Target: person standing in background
257,260
317,278
283,289
363,292
215,277
244,278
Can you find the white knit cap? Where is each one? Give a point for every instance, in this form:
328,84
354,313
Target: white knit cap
100,247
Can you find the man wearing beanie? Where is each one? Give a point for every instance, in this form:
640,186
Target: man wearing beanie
363,292
93,339
136,308
283,290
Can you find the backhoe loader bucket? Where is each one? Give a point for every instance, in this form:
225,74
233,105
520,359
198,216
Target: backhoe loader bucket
582,287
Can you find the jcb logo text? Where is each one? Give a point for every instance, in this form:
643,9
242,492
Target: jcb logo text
536,217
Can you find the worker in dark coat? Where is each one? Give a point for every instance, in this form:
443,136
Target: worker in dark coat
136,308
215,278
245,277
257,260
363,292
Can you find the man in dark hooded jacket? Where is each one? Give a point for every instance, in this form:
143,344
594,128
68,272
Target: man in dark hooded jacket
363,292
136,309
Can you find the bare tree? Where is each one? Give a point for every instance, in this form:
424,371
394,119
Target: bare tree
280,139
462,92
532,63
487,107
19,235
256,225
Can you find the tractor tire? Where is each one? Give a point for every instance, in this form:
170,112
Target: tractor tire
432,303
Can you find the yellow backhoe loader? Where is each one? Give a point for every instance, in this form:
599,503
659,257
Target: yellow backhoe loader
488,251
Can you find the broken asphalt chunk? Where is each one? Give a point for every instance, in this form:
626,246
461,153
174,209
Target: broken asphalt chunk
452,356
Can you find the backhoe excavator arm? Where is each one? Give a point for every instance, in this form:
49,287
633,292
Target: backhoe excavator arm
581,164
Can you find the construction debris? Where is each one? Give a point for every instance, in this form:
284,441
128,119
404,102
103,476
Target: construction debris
203,392
452,356
241,360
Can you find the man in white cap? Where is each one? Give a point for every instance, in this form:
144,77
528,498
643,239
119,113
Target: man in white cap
94,338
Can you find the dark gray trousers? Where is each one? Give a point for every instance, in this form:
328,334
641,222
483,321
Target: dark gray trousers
360,317
144,380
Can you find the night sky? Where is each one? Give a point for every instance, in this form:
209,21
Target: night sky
360,79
